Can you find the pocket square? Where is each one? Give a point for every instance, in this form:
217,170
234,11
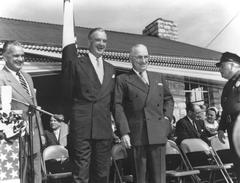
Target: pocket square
113,76
159,84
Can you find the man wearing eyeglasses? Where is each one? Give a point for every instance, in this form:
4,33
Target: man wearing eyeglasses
143,111
192,125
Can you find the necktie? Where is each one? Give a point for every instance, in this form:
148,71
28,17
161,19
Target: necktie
23,82
99,70
143,77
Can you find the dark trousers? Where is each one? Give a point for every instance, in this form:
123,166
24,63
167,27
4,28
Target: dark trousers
234,156
91,160
150,163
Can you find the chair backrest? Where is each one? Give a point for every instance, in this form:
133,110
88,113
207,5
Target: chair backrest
173,156
194,145
119,152
217,145
55,152
171,148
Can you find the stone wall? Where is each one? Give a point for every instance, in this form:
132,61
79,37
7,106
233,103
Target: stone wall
177,90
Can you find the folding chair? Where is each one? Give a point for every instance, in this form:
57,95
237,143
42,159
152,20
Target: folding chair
56,161
119,153
177,168
222,150
205,159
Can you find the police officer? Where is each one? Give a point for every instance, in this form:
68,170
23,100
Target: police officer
229,67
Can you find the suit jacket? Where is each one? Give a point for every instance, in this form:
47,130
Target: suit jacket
186,130
87,102
140,109
230,101
51,137
18,92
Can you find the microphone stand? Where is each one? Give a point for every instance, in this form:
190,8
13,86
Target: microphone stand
30,115
38,108
31,111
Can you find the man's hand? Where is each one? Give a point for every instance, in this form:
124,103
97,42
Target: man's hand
221,136
126,141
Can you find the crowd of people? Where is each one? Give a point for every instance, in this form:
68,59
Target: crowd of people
139,102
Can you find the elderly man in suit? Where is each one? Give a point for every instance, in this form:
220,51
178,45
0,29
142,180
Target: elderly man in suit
23,91
143,111
88,90
57,135
192,126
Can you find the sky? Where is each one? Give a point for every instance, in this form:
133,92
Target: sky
198,21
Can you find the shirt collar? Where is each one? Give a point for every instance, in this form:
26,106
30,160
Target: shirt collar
190,119
92,57
13,72
138,73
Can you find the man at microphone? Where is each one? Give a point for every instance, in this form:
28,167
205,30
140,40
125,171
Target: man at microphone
23,91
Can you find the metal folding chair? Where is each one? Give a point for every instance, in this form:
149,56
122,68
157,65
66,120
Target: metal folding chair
205,159
223,152
176,166
56,161
119,152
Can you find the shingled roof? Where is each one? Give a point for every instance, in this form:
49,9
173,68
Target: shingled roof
45,39
51,34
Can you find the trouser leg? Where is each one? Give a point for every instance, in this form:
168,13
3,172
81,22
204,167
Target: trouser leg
140,162
157,163
80,153
100,161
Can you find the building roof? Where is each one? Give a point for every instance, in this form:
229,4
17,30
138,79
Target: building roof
166,56
51,34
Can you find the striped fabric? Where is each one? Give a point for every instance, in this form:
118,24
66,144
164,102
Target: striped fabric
23,82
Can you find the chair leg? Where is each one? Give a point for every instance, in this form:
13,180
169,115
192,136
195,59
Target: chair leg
117,171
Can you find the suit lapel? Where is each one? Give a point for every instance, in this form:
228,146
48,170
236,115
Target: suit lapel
136,81
153,83
54,137
89,70
107,77
16,86
192,128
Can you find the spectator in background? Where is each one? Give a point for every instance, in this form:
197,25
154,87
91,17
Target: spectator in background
211,122
192,125
57,135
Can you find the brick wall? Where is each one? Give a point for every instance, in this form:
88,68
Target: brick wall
162,28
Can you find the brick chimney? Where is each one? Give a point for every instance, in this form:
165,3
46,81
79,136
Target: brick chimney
162,28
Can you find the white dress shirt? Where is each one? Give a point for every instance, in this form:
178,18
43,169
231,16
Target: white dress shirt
98,66
143,76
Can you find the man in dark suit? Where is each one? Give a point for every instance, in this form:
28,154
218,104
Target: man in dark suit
143,111
13,54
229,67
88,89
191,126
57,134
